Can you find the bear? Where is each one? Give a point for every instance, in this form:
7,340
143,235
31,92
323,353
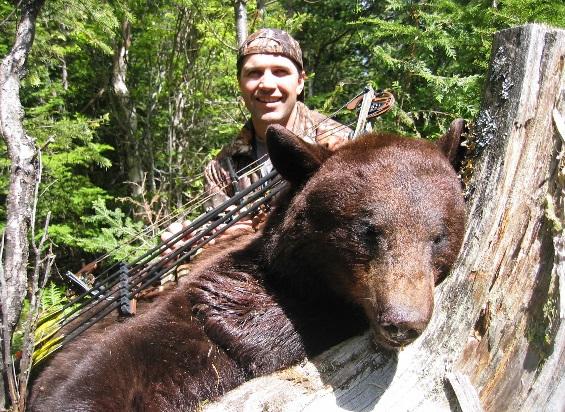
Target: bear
358,239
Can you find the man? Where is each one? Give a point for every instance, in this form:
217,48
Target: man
271,79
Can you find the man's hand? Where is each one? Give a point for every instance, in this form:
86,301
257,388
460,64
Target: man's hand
172,230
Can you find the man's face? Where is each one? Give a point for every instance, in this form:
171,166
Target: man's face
270,85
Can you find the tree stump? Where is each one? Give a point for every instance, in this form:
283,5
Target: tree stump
497,338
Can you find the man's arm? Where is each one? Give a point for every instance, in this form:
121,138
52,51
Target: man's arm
216,184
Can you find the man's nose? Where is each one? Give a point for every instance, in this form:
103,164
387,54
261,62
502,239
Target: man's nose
268,81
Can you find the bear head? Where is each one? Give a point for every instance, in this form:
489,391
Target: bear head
378,223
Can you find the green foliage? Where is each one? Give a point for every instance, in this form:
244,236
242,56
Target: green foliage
58,84
69,154
116,234
433,55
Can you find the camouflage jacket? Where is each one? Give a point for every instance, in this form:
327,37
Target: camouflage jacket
312,126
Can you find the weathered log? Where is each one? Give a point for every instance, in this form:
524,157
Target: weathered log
497,331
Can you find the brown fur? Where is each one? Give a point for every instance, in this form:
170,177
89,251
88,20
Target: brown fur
361,235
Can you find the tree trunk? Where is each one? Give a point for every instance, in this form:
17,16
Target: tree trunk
23,177
261,10
181,89
497,338
125,111
240,21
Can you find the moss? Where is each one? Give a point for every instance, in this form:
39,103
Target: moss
555,223
541,333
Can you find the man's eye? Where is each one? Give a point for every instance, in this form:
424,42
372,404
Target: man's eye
253,73
281,72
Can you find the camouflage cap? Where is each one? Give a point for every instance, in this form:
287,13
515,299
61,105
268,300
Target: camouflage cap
270,41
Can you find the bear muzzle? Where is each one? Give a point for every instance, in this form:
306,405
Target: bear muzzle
397,322
397,335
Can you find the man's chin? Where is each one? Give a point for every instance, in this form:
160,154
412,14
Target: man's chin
271,117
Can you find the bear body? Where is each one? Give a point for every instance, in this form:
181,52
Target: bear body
360,238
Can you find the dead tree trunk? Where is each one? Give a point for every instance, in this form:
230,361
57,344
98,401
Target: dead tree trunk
261,10
240,21
497,338
23,178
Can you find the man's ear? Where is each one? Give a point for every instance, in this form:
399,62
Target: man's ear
450,142
301,80
295,159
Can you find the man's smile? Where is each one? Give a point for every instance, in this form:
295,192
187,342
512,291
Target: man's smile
268,99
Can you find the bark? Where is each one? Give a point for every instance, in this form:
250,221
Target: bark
125,111
240,21
64,74
23,177
3,384
147,130
497,338
261,10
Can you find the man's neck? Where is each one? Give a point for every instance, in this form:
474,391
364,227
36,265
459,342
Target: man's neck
260,127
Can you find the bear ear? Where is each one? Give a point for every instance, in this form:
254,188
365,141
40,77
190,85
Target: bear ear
450,142
295,159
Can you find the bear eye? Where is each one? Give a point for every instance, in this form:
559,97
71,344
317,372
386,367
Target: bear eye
372,231
373,237
437,240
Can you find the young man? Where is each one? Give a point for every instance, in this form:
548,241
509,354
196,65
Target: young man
271,81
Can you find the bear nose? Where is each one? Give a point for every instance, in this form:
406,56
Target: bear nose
401,333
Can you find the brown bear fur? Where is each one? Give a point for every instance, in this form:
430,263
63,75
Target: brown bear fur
360,238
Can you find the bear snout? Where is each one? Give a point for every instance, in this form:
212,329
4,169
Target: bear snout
397,322
397,335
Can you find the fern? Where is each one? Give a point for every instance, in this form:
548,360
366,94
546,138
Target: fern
118,235
46,337
54,309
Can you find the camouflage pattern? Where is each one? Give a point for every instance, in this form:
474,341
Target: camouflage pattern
270,41
312,126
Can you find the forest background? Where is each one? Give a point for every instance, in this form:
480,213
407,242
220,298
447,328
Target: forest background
131,98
